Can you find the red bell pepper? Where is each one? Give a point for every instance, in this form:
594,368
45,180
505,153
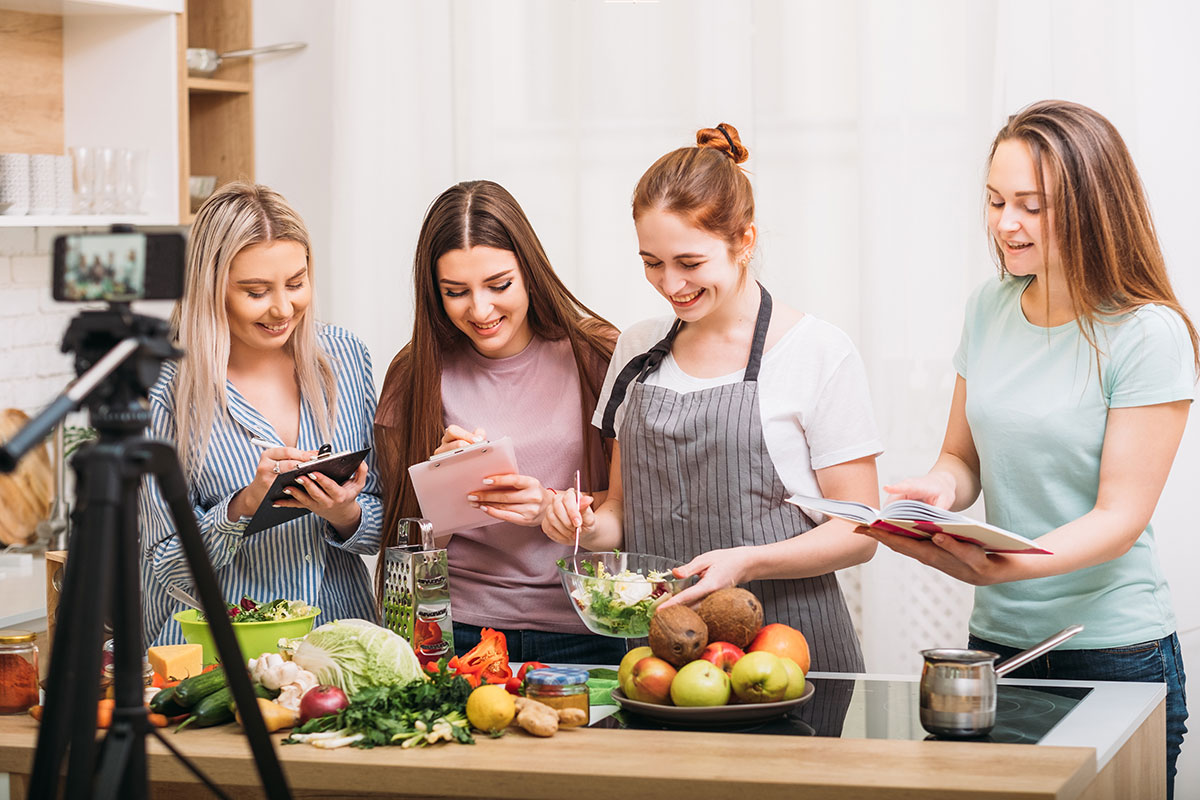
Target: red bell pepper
488,660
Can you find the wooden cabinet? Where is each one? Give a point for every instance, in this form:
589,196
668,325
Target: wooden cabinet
217,113
114,73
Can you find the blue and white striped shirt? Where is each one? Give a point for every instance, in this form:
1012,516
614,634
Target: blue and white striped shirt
303,559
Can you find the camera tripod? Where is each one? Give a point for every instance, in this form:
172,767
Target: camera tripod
118,356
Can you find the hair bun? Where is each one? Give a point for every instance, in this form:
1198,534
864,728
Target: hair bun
725,138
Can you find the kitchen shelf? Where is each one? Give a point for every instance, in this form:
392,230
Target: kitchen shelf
214,85
84,221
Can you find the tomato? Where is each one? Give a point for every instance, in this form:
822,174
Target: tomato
513,685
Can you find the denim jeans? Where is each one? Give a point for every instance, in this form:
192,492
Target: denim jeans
1148,662
547,646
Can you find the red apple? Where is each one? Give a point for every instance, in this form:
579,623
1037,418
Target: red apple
321,701
650,681
784,642
723,654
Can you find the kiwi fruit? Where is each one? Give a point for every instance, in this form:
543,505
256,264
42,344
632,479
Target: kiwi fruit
732,615
677,635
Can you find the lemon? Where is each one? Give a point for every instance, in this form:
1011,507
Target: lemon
491,708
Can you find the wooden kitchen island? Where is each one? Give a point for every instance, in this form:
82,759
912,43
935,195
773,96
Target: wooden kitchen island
606,763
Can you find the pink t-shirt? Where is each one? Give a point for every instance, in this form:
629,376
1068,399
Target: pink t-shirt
504,575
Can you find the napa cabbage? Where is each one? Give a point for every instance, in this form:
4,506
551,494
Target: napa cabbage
354,654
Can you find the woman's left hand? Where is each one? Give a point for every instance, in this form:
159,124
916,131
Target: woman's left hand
325,497
718,569
519,499
968,562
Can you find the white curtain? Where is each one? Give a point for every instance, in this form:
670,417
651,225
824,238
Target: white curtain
868,124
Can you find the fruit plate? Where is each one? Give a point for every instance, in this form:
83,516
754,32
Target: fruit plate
713,715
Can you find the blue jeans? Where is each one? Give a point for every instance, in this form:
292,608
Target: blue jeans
547,646
1148,662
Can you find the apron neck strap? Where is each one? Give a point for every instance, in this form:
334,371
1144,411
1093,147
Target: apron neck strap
637,369
760,334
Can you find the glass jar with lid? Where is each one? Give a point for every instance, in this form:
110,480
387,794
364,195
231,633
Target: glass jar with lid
559,687
18,671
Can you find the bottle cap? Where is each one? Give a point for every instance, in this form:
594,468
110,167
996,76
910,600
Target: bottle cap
556,676
13,636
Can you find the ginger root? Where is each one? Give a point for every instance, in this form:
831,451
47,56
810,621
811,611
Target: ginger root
540,719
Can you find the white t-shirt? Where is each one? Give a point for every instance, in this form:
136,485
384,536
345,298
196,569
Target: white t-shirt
813,396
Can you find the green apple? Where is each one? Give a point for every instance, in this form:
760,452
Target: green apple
795,686
632,657
700,683
759,677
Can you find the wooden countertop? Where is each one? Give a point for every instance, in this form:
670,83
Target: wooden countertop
603,764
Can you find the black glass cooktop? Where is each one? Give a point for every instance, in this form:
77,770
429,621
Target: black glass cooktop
880,709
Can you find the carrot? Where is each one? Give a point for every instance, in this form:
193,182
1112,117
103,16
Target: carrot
157,720
36,712
104,712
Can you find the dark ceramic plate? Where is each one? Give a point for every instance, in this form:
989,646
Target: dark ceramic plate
713,715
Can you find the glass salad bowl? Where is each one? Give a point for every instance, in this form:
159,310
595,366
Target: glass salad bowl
615,593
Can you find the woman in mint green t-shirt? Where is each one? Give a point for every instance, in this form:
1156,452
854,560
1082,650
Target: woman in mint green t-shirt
1075,374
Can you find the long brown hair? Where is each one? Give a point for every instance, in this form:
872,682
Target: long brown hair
409,422
1111,259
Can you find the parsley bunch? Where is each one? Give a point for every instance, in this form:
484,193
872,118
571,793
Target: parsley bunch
418,713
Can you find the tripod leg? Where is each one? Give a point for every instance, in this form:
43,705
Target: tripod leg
123,763
74,676
160,459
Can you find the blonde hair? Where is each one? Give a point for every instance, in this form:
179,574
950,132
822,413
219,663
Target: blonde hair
237,216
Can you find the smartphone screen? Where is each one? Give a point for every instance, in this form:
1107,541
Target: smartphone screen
118,267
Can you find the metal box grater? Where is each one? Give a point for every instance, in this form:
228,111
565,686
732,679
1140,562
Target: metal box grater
416,593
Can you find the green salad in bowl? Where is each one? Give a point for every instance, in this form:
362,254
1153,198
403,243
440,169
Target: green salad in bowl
615,593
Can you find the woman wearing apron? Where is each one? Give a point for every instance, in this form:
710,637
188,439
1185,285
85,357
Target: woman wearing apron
727,408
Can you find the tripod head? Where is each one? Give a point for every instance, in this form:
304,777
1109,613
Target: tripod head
118,357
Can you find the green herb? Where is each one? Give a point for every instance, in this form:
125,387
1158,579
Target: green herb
418,713
603,674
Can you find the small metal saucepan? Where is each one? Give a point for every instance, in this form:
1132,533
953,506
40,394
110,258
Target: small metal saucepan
958,687
202,62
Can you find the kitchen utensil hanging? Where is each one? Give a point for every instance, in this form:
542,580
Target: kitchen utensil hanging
202,62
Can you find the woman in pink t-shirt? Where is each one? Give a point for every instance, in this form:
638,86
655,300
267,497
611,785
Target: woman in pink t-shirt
499,347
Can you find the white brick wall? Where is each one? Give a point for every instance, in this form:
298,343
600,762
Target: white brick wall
33,370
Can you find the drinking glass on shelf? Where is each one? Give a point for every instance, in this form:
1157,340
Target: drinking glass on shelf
83,158
131,180
105,199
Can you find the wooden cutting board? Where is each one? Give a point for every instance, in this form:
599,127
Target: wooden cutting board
25,495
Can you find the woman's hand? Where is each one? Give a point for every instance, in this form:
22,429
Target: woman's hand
325,497
455,437
271,462
566,512
519,499
936,489
718,569
968,562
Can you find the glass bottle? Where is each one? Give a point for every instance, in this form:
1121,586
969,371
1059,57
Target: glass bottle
18,671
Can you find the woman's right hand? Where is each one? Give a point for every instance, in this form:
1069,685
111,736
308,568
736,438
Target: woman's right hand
567,511
273,461
936,489
455,437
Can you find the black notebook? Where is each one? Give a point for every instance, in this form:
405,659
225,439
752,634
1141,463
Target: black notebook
339,467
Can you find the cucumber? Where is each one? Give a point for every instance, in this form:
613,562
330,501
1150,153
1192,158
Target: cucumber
190,691
213,710
164,703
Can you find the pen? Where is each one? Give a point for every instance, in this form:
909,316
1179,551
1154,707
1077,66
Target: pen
263,443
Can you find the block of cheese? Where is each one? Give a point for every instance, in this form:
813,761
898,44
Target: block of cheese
175,662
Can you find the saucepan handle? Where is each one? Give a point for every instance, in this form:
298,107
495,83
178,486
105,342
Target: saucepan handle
271,48
1026,656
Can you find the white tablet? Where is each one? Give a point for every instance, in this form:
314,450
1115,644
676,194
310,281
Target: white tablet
443,482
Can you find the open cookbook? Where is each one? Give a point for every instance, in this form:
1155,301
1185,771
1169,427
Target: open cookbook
921,521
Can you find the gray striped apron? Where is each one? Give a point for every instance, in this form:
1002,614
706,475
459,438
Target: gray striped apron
697,477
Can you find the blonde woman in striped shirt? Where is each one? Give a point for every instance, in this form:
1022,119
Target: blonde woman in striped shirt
261,387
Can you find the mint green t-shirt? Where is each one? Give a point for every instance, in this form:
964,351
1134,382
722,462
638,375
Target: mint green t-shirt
1037,410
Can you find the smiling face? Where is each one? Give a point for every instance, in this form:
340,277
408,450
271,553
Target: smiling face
267,294
1016,212
484,295
690,267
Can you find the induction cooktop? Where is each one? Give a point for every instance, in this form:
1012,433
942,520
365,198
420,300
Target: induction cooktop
889,709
